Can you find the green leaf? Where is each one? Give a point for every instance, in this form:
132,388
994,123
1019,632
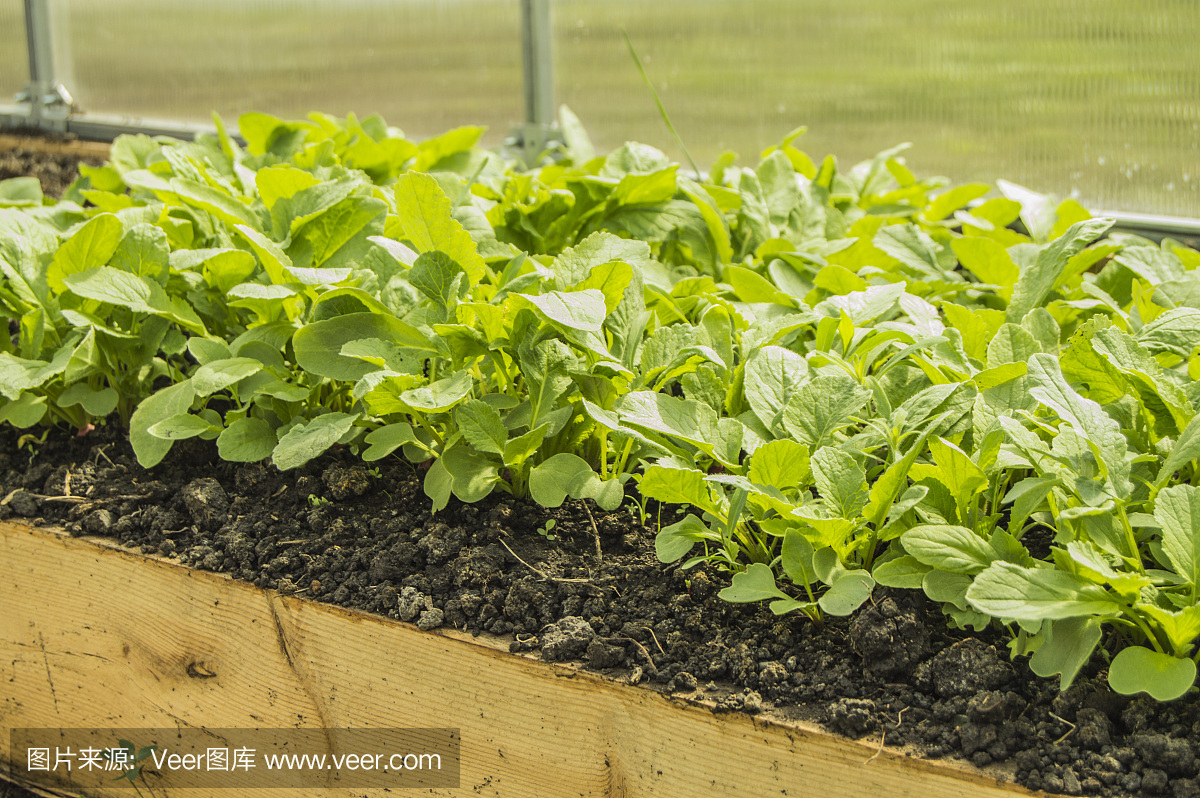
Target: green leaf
92,245
756,583
474,476
438,485
1176,331
311,439
576,310
220,374
437,276
1177,510
180,427
840,480
98,403
24,411
954,469
686,419
772,375
987,260
519,449
1011,592
820,408
1067,646
441,395
481,426
17,192
424,212
387,439
887,486
796,558
171,401
220,204
678,486
948,548
246,440
1087,417
912,247
1185,450
1139,670
579,146
905,571
274,260
144,251
318,345
847,594
1011,344
1181,628
952,199
782,464
1037,281
676,540
136,293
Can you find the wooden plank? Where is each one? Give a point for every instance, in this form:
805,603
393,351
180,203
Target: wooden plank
52,146
95,636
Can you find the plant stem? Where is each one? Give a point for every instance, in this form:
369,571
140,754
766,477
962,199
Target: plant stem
1131,539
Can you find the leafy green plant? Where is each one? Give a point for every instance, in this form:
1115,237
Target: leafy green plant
843,376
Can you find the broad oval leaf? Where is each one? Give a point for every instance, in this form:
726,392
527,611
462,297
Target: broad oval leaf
318,345
247,440
948,548
1139,670
756,583
305,441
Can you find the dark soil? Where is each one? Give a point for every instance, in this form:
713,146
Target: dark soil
55,170
336,532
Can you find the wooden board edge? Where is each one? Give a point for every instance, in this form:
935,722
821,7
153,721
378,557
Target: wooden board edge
54,146
485,652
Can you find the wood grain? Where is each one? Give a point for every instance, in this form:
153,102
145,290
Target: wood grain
53,146
95,636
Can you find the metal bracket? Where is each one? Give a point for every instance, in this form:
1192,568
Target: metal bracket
49,101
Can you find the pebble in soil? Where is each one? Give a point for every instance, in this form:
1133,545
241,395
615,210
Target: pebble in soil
893,669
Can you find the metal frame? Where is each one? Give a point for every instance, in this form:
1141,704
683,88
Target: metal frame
46,104
49,101
537,50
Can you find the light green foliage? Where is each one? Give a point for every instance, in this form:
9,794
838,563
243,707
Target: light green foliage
845,376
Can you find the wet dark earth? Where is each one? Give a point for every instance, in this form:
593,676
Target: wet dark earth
54,170
336,531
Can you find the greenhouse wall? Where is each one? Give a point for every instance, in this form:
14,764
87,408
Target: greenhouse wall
1024,90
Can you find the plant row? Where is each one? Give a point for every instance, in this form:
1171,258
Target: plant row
849,378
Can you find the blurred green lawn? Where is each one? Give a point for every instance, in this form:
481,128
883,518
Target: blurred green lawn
1099,97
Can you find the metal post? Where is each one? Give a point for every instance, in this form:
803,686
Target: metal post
49,101
537,37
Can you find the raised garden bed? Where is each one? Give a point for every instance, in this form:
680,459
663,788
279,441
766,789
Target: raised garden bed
138,642
426,382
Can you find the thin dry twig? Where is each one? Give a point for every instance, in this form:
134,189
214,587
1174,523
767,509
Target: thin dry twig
642,648
12,493
547,576
100,453
1070,731
596,533
878,751
660,648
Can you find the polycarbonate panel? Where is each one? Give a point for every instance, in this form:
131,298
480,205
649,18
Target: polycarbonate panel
14,62
1095,97
425,65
